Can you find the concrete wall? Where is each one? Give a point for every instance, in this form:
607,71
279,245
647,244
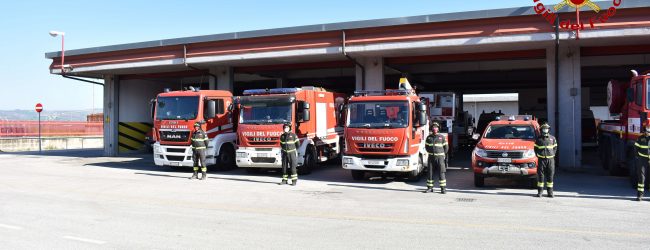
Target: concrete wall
50,143
135,96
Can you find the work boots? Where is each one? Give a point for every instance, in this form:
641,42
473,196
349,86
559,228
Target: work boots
429,190
294,182
195,175
284,182
540,191
203,175
443,190
550,193
639,196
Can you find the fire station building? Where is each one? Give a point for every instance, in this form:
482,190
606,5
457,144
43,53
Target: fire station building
558,71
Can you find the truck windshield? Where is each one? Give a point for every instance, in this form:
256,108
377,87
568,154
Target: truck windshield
177,108
510,132
265,111
384,114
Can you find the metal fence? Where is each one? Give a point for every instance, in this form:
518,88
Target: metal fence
50,129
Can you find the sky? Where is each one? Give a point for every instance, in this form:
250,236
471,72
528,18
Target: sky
24,27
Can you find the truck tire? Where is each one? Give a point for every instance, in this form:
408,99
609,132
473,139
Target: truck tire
358,175
416,175
479,180
604,153
309,163
532,183
633,175
226,158
614,169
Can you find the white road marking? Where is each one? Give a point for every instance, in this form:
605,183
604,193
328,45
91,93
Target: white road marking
10,227
98,242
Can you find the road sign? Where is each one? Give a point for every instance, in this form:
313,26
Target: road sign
39,107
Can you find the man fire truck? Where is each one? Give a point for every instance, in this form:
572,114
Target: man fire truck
630,103
313,113
175,113
385,132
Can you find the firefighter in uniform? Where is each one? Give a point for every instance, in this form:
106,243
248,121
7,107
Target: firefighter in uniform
290,144
641,145
199,146
545,148
437,148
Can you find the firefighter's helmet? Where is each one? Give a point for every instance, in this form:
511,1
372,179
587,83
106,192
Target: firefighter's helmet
286,125
435,125
546,126
197,124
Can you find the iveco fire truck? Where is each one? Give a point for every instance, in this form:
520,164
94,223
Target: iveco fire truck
385,132
312,112
174,114
630,103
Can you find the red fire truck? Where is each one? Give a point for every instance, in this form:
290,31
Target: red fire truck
630,103
314,114
385,132
174,115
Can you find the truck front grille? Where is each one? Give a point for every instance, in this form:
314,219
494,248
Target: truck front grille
263,159
175,158
505,154
176,136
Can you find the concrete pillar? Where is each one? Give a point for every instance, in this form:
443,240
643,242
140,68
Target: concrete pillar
374,73
225,78
111,114
570,108
550,89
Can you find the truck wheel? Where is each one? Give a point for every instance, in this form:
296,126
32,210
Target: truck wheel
479,180
416,175
532,183
605,154
614,169
633,175
226,158
309,163
358,175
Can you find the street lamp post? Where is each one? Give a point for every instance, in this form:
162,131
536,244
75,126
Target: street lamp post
55,34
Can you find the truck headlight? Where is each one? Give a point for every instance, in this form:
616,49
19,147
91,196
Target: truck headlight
348,160
402,163
242,155
529,153
480,152
157,149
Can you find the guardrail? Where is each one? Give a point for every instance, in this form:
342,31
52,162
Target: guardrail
17,144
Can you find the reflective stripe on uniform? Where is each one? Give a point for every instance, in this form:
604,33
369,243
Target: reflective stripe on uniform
549,184
289,151
195,169
294,176
199,139
437,154
543,147
639,145
289,142
643,155
546,157
540,184
440,144
285,177
640,187
443,183
204,169
198,147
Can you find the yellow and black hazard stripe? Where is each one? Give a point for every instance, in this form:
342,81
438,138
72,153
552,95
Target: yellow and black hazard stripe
132,135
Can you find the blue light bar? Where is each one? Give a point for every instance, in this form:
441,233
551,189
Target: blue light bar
284,90
256,92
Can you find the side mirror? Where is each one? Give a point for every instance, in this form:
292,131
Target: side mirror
210,109
152,110
630,95
303,110
422,118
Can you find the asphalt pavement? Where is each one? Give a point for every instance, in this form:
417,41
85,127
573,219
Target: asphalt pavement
80,200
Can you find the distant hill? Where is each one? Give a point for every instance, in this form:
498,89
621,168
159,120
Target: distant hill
47,115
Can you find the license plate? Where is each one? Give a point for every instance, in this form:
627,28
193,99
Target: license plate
504,168
376,163
176,164
504,160
263,155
